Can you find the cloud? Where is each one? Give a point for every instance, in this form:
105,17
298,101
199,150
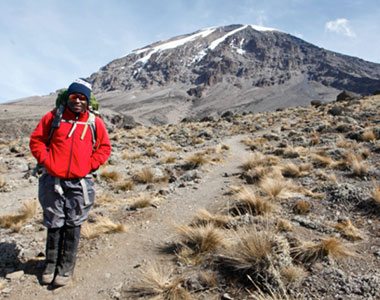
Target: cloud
340,26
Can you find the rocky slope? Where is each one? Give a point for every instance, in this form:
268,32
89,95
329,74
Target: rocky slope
238,67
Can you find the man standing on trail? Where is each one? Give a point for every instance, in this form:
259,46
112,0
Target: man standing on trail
69,144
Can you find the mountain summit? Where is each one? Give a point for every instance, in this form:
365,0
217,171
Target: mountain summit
236,67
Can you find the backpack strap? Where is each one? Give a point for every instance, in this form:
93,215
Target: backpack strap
89,123
58,112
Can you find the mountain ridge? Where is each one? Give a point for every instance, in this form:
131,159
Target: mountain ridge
243,68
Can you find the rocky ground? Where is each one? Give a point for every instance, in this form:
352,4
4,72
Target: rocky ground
280,205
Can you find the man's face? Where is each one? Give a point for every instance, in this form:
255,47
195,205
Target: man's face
77,103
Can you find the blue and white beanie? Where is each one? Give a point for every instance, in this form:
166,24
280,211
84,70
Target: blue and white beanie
80,86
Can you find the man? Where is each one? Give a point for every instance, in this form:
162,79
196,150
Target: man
68,152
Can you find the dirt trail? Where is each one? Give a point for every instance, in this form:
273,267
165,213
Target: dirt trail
123,255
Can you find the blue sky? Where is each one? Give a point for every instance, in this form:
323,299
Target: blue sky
46,44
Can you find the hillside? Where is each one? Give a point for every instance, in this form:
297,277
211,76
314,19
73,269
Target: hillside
286,202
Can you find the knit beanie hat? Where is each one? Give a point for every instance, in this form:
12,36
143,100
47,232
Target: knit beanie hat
80,86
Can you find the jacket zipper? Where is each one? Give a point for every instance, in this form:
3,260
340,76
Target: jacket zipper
71,151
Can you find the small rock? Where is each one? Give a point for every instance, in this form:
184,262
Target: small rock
15,275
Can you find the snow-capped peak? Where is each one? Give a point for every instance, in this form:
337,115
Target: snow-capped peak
173,44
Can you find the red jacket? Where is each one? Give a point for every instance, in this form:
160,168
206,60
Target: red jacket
70,157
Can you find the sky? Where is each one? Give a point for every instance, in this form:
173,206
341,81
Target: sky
47,44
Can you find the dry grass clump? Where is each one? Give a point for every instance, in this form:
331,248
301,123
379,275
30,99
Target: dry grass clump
102,225
376,194
127,155
196,160
315,139
145,175
324,161
169,159
345,143
104,199
348,230
159,283
293,170
110,175
258,159
330,177
275,188
293,275
203,217
16,221
368,135
248,202
143,200
284,225
302,207
310,252
198,241
125,185
357,165
253,257
169,147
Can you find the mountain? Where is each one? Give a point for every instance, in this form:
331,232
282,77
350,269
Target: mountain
237,67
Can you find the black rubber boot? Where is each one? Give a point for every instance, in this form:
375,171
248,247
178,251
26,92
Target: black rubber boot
68,257
52,252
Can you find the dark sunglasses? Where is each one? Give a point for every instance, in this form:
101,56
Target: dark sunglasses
74,97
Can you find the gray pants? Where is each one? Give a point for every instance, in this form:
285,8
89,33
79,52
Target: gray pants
69,204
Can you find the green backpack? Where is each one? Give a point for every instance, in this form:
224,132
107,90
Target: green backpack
60,105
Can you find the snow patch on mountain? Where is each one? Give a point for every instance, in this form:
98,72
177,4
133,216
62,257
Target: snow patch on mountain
172,44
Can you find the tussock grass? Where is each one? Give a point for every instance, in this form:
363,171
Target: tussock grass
302,207
125,185
376,194
196,160
143,200
246,253
324,161
169,159
198,241
310,252
258,159
104,199
127,155
330,177
150,152
315,139
159,283
275,188
110,175
293,170
284,225
16,221
357,165
252,253
102,225
345,143
169,147
348,230
145,175
293,275
203,217
369,135
248,202
254,142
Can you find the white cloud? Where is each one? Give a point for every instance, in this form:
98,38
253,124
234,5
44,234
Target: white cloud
340,26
